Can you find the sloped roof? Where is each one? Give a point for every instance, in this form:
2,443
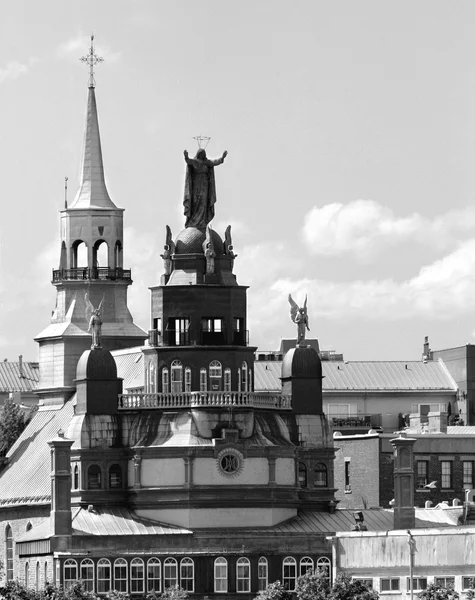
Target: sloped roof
386,376
130,367
14,378
26,477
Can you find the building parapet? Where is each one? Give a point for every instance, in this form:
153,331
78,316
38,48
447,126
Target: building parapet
146,401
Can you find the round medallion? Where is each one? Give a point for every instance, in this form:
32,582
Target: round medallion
230,462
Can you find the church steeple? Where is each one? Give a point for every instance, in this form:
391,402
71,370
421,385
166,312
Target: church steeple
92,191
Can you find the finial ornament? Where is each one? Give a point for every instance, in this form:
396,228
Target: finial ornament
93,317
91,59
300,318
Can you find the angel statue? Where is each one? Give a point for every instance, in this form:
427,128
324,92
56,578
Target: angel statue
169,249
93,317
228,245
299,316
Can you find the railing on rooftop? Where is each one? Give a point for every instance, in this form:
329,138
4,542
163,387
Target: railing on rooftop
258,400
96,273
361,421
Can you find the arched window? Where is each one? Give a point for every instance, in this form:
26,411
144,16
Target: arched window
165,381
187,379
118,255
120,575
244,377
29,526
37,578
306,564
103,576
9,552
187,574
243,575
27,575
220,575
321,479
79,256
151,378
289,573
100,256
227,380
87,574
170,573
154,576
46,580
137,576
262,574
215,375
325,565
115,477
302,474
249,382
62,259
177,377
94,477
203,380
70,572
76,478
239,380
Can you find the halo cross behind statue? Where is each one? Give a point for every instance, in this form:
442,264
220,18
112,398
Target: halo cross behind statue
200,188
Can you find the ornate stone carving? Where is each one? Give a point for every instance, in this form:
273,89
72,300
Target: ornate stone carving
169,249
300,318
228,245
94,318
210,254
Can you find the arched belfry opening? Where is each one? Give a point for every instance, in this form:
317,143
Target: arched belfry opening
78,255
63,257
100,254
118,255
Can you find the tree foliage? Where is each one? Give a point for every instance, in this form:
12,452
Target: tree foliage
12,423
274,591
346,588
313,585
438,592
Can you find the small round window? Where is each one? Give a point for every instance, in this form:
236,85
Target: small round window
230,462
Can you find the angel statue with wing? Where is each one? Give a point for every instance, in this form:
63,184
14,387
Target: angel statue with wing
300,317
93,317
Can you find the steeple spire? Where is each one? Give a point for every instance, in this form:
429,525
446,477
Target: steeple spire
92,191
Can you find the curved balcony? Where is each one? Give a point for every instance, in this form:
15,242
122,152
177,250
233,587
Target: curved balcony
96,274
144,401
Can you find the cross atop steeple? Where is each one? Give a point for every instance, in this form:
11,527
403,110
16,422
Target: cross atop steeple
91,59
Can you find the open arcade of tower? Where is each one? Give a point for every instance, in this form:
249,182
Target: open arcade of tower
189,476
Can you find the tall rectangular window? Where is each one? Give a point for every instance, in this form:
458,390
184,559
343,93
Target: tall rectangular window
419,583
389,584
446,474
422,470
347,476
220,575
262,574
467,474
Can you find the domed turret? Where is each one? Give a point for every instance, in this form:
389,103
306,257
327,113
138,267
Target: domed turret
97,384
96,364
191,241
302,379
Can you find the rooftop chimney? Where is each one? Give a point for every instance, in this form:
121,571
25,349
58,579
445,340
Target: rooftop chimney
404,512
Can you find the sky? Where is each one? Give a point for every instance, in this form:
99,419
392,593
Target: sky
350,131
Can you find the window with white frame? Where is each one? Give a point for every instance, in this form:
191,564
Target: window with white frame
120,575
227,380
187,379
244,387
243,575
321,476
103,576
203,380
154,575
467,467
446,582
468,583
419,583
86,574
306,564
137,576
70,572
170,573
220,575
389,584
165,381
9,552
446,474
422,473
289,573
324,564
215,375
152,378
177,377
262,574
239,380
187,574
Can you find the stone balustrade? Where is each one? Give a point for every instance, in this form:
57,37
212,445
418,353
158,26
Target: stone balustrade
144,401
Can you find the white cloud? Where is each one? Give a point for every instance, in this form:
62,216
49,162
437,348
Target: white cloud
363,227
14,69
79,46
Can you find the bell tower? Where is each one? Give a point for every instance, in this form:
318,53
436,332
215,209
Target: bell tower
90,271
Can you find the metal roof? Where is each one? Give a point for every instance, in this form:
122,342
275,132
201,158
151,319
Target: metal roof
130,367
385,376
19,376
26,477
